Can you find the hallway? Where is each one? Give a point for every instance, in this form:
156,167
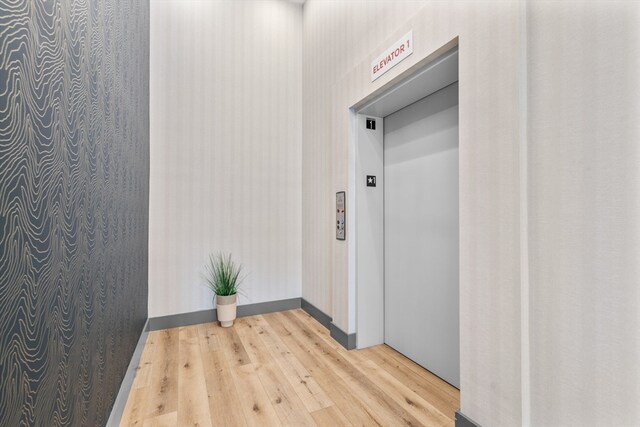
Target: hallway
279,369
408,212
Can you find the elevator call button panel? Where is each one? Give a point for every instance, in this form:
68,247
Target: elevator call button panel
340,215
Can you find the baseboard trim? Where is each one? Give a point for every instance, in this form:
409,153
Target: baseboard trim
348,341
206,316
316,313
127,382
464,421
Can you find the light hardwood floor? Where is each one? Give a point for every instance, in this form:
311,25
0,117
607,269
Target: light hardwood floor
279,369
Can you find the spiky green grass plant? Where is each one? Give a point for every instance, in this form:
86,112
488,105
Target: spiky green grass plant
223,275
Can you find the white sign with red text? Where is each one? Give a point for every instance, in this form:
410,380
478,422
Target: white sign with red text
392,56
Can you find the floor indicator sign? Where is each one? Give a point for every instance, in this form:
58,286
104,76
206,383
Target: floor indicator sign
371,123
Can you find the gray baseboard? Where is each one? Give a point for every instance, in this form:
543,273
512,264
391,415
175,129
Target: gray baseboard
127,382
316,313
464,421
206,316
348,341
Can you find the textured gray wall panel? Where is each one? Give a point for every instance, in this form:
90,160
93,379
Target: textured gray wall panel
74,166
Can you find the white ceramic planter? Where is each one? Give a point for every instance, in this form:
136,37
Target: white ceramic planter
226,307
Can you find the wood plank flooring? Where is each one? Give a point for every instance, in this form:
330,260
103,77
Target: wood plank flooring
280,369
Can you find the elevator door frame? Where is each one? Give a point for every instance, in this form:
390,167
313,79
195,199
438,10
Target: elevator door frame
365,236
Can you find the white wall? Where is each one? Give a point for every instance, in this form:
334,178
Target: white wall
341,38
225,148
584,216
549,183
549,192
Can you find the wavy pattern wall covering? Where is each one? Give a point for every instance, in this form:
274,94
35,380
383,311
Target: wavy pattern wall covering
74,166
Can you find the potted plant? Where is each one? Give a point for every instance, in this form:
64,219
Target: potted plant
223,278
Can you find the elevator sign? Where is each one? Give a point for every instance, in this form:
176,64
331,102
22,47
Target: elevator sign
392,56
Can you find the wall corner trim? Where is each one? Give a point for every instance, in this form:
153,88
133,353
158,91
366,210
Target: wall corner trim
348,341
127,382
316,313
464,421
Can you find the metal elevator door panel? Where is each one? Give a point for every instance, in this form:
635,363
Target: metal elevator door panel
421,230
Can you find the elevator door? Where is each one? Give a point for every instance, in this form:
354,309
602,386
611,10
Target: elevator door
421,233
